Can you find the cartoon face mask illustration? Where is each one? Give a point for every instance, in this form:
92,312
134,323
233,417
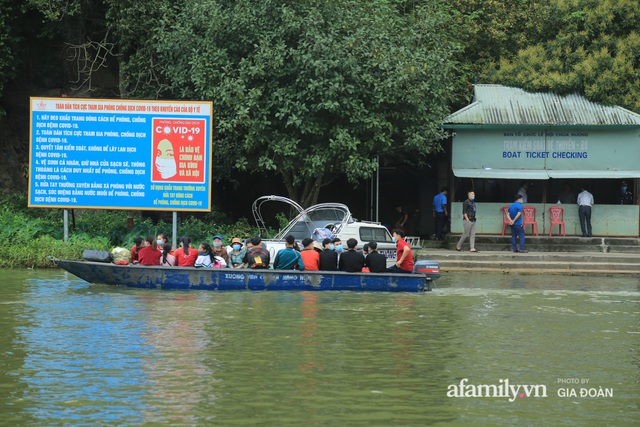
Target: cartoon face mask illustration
165,160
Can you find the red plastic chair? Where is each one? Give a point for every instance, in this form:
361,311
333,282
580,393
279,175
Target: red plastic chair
529,218
556,216
505,221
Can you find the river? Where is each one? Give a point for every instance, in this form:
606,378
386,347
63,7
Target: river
485,350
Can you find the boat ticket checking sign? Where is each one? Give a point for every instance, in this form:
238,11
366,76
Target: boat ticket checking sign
120,154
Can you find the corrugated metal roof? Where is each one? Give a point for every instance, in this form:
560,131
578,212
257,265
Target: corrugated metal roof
502,105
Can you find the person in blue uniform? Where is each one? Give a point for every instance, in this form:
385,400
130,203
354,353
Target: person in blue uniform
514,215
440,211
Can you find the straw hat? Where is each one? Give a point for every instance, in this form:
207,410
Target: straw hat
236,240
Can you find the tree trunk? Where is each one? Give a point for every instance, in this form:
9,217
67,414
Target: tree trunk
309,192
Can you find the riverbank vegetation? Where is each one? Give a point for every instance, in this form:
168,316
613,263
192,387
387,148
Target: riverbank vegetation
304,92
30,235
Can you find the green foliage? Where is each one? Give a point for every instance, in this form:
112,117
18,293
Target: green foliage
282,219
305,89
9,40
33,253
33,234
585,46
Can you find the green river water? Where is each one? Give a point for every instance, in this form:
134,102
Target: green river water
480,350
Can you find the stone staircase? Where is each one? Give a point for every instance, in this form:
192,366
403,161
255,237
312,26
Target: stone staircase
556,255
545,244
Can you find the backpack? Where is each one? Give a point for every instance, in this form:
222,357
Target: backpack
258,258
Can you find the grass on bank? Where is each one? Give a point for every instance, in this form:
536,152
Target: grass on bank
32,234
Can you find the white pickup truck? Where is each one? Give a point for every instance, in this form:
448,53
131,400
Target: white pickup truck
314,221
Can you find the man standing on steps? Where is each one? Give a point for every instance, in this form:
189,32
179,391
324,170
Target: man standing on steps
585,201
469,223
514,215
440,211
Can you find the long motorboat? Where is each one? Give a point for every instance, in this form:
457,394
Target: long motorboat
226,279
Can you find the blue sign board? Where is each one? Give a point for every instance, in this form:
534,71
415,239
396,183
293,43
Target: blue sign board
120,154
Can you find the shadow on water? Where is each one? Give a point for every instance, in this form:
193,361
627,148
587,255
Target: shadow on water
78,354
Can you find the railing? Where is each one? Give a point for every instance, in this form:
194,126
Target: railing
606,220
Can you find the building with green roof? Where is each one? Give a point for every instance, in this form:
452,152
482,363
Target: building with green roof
555,144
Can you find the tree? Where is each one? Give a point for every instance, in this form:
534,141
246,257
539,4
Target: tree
78,44
494,29
9,39
591,47
308,90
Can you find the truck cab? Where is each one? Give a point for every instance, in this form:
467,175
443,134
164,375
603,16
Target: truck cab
322,220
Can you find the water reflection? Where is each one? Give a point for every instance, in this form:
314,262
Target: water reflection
75,354
176,364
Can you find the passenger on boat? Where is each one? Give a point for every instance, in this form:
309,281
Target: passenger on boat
237,253
288,258
328,257
404,255
167,259
337,245
207,258
162,239
376,262
219,250
137,245
150,254
351,261
185,255
310,257
257,256
365,249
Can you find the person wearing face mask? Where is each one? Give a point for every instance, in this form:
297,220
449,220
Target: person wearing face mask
328,257
337,245
625,196
165,159
469,223
162,240
237,253
219,250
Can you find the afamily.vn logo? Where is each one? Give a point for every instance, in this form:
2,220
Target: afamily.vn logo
503,389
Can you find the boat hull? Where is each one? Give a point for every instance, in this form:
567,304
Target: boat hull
187,278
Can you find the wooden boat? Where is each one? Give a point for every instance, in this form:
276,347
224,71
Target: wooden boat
247,279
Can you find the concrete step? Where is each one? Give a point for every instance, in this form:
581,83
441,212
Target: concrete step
543,244
531,271
574,263
629,249
506,247
531,256
536,265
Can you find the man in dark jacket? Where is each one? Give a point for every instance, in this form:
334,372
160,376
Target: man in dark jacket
376,262
328,257
351,261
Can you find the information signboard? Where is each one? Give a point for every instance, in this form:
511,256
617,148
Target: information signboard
120,154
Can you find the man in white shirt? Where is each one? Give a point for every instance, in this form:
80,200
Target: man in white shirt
585,201
524,186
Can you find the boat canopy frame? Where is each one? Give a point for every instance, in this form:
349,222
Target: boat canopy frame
337,216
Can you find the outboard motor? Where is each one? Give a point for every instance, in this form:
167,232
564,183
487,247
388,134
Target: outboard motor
428,267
